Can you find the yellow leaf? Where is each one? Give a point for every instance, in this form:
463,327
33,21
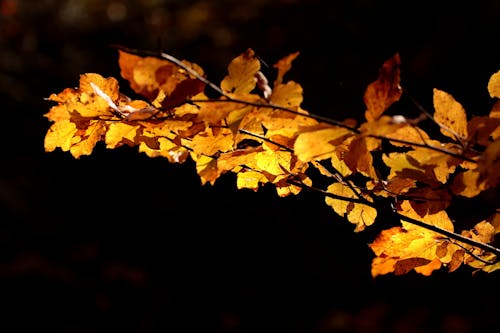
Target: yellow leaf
494,85
467,184
339,206
319,144
274,163
362,216
288,95
358,214
211,141
117,132
93,134
439,219
250,180
411,246
241,74
60,134
206,167
450,115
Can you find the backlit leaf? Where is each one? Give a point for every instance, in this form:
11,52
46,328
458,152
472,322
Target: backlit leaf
385,90
450,114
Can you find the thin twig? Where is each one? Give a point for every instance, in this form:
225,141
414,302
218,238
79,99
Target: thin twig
265,139
331,195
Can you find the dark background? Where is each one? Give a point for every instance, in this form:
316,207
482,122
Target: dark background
119,242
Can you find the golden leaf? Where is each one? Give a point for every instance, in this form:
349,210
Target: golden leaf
359,214
288,95
118,132
494,85
319,144
411,246
450,115
60,134
241,74
467,184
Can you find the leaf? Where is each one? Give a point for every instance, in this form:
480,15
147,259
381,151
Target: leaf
385,90
288,95
211,141
153,78
359,214
319,144
88,140
494,85
265,137
284,66
483,130
468,184
60,134
241,74
357,155
489,165
120,133
401,249
450,115
483,232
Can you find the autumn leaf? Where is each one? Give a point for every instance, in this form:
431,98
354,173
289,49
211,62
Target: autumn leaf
385,90
283,66
450,115
357,155
468,184
359,214
318,144
160,80
494,85
410,247
263,136
241,74
60,134
489,165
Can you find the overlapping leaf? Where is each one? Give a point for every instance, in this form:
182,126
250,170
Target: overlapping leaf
261,133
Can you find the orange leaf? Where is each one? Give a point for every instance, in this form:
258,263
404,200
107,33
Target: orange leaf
384,91
401,249
149,75
284,66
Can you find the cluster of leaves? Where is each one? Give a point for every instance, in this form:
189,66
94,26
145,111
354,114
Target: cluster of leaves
259,131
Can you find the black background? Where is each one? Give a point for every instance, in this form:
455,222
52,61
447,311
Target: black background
120,242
